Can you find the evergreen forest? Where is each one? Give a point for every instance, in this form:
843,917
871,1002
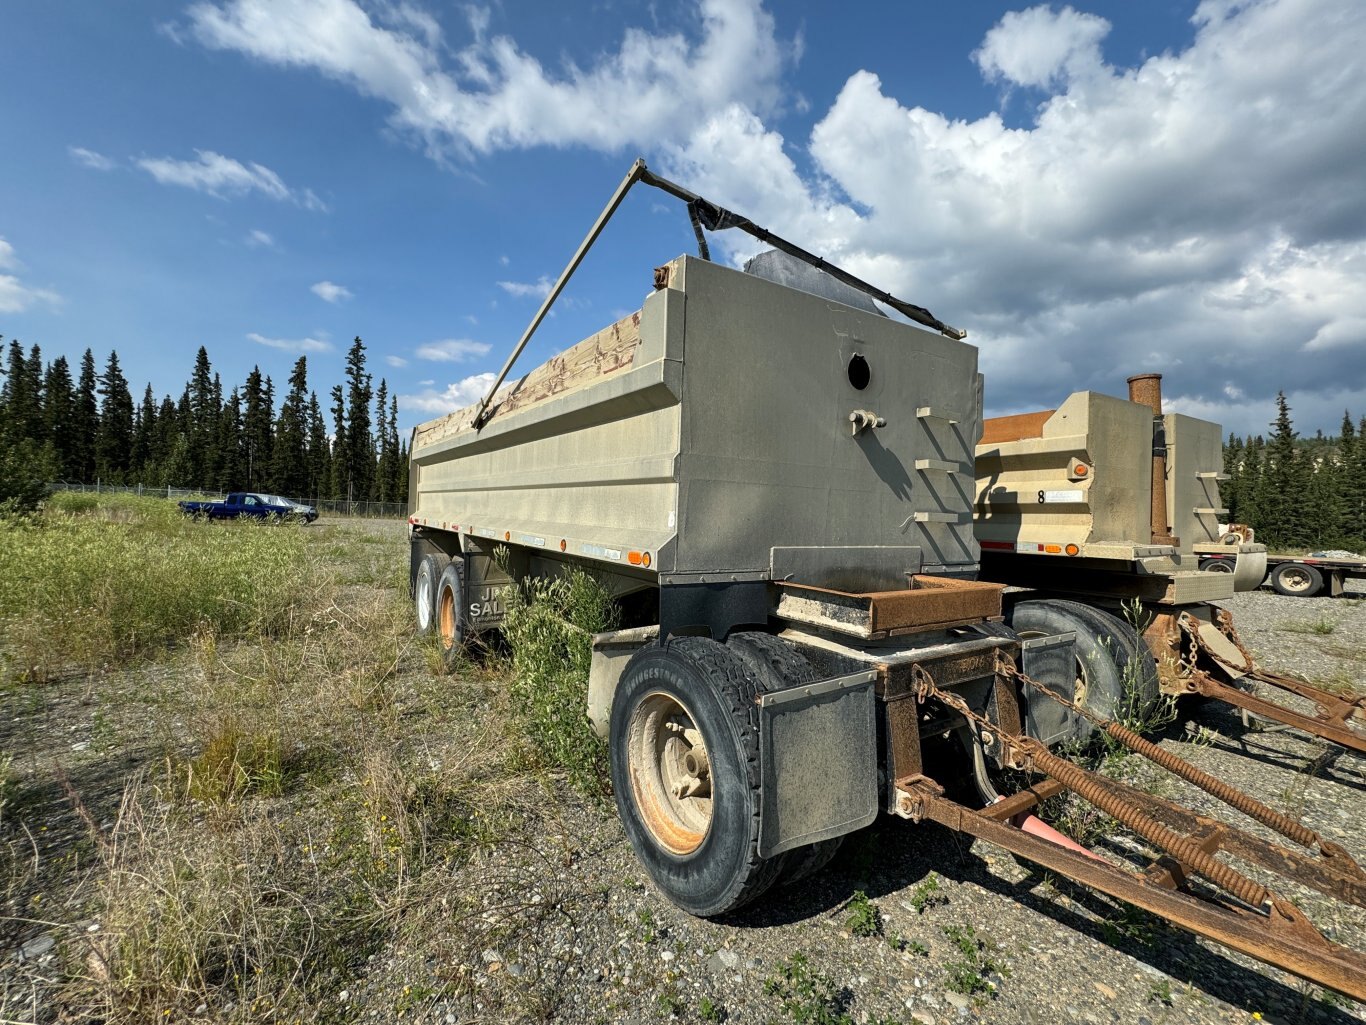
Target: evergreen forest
82,424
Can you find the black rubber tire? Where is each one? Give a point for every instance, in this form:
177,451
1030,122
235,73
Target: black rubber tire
717,687
1108,651
424,592
1217,565
779,665
451,619
1296,580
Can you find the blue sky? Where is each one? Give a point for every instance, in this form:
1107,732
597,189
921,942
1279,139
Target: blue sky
1091,191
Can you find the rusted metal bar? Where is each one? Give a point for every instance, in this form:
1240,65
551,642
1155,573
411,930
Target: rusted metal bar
1230,795
1096,790
1209,687
1334,709
1332,874
1281,937
1019,803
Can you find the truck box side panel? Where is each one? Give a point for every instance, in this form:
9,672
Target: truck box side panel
1195,458
769,458
586,454
1027,492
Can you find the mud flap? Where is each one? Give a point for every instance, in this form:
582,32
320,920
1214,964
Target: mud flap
1052,661
817,761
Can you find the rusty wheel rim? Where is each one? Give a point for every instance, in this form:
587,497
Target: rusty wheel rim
446,617
1295,579
670,772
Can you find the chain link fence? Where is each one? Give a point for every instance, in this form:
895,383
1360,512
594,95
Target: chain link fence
325,507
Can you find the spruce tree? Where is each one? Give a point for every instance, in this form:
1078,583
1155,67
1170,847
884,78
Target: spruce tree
340,448
384,469
144,433
20,395
289,466
1352,489
85,424
114,442
319,452
59,410
256,430
231,444
360,445
399,486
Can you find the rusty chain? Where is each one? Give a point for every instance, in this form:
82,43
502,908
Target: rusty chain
1230,795
1095,790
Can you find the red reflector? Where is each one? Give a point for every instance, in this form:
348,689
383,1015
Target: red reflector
1005,546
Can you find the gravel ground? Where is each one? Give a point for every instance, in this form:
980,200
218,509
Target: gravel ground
567,928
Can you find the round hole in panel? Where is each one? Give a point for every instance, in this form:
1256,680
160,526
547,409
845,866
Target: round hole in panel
859,372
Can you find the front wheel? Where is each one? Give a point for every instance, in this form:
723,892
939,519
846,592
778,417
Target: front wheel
684,742
1217,565
1296,580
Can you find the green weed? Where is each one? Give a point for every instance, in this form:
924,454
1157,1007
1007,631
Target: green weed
807,996
548,625
1160,992
864,919
235,763
969,969
710,1011
1321,626
927,895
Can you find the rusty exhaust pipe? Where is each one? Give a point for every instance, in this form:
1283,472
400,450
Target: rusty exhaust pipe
1146,390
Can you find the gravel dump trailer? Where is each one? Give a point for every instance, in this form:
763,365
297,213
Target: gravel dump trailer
773,479
1103,502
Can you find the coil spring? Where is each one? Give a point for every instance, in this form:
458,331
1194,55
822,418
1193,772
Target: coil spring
1184,850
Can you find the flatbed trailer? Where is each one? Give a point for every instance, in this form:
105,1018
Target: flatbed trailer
1297,576
772,479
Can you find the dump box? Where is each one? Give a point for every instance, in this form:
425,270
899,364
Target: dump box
733,431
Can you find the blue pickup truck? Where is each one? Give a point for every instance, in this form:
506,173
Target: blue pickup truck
253,504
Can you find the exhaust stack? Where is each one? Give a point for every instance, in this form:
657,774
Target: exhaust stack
1146,390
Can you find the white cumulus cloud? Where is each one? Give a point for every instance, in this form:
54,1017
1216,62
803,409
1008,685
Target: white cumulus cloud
1204,207
452,350
457,395
396,361
301,345
1042,47
15,295
225,177
330,292
492,95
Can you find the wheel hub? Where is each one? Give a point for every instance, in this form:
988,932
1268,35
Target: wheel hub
670,772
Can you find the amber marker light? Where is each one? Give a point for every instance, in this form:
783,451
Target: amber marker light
633,558
507,535
1072,550
645,559
1082,470
564,545
1053,549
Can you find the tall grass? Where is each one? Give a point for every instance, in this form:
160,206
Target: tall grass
90,585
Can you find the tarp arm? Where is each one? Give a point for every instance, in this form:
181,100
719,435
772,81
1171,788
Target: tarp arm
703,214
